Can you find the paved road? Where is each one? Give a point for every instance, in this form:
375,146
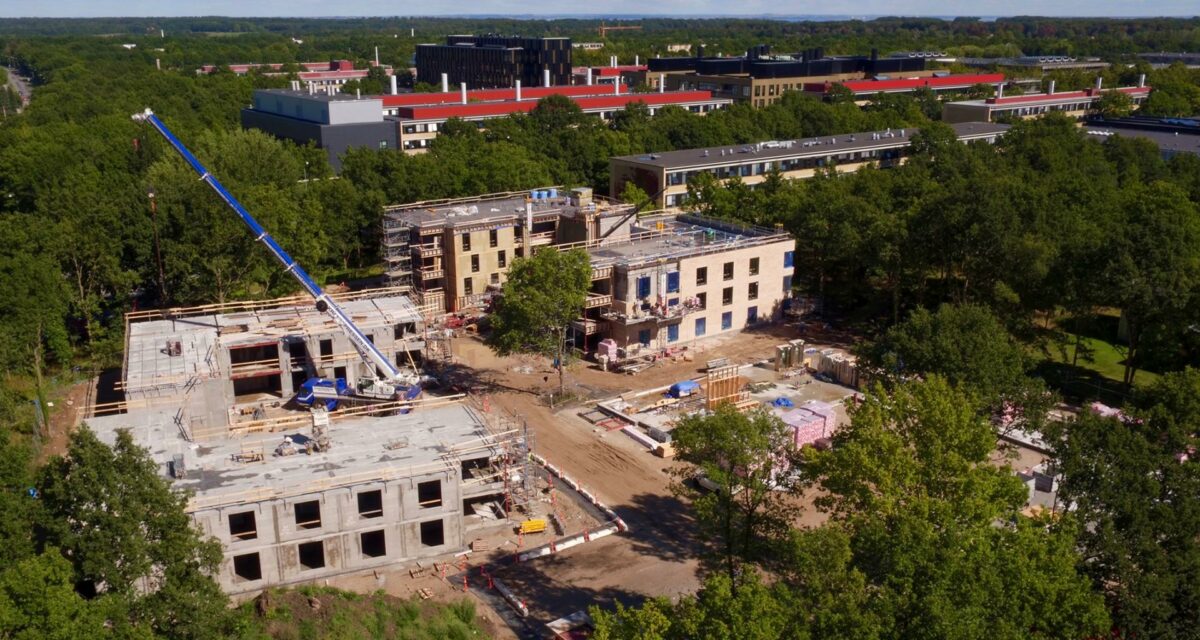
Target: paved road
18,84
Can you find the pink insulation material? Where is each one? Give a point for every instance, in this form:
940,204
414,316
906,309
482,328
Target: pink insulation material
807,427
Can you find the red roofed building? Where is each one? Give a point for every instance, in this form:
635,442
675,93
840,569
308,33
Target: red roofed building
317,75
864,90
1075,104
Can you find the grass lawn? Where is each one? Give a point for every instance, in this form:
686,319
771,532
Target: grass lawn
1105,359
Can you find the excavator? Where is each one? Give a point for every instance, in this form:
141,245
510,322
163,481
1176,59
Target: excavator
388,382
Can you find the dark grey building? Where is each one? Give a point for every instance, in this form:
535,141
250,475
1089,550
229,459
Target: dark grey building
336,123
495,61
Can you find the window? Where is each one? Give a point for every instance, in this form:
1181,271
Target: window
787,284
753,266
643,287
727,295
468,289
789,259
701,327
432,534
751,315
702,298
373,544
644,337
495,278
502,260
493,238
370,504
247,567
673,333
728,273
673,282
475,263
242,525
326,348
312,555
752,294
702,275
429,494
308,515
383,144
726,320
466,242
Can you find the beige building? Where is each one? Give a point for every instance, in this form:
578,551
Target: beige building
1074,104
665,175
759,92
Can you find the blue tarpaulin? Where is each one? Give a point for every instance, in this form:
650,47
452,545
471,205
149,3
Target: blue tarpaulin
685,388
783,402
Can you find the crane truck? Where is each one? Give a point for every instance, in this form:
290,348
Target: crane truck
387,383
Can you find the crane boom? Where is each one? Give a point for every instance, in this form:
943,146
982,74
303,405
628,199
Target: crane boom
367,350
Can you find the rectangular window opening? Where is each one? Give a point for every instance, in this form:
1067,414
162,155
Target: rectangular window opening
429,494
432,534
308,515
493,238
370,504
702,275
728,271
753,266
753,291
312,555
727,295
242,525
373,544
247,567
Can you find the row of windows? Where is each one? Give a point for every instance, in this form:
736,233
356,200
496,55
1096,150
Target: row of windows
678,178
493,240
243,525
700,328
727,273
247,567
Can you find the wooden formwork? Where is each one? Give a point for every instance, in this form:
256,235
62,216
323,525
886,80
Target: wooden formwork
723,385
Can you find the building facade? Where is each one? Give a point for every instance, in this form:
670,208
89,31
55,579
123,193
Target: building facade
335,122
864,90
665,175
495,61
1073,104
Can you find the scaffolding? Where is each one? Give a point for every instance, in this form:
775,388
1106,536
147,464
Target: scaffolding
397,253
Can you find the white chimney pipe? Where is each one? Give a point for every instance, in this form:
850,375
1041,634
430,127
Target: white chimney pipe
1050,91
589,76
545,77
617,87
462,88
1000,91
395,89
412,33
445,83
662,83
1099,82
358,94
1142,80
518,90
377,56
636,59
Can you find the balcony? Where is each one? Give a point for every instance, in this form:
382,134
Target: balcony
658,314
597,300
585,326
541,239
430,251
430,273
601,273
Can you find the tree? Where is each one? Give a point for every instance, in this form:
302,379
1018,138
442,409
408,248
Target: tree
635,195
969,347
126,535
1135,483
748,458
540,298
1114,104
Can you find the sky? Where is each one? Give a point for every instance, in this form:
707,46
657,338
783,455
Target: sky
316,8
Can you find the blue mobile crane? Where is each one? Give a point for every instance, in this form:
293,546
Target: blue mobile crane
388,381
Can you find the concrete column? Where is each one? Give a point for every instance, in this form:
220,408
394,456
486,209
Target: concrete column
445,83
395,89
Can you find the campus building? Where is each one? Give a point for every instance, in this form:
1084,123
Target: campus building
337,122
665,175
495,61
656,280
864,90
1035,64
761,78
319,76
294,496
1172,136
1073,104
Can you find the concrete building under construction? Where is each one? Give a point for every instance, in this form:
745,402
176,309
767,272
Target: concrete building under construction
296,495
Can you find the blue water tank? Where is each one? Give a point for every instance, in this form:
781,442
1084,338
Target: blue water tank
533,194
553,193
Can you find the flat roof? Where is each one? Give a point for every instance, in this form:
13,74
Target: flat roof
1167,141
147,364
587,103
493,95
1059,97
908,84
805,147
316,96
679,237
505,207
364,449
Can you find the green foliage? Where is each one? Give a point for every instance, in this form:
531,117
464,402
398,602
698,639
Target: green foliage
540,298
745,457
1137,496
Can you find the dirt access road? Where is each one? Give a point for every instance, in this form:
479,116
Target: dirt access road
659,555
19,85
